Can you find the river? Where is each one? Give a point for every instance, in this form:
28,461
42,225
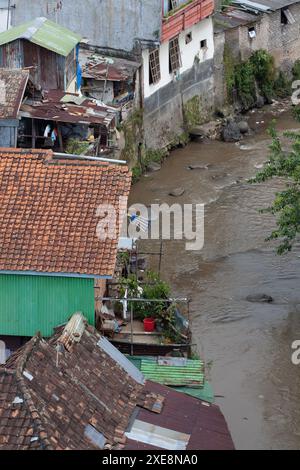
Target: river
246,345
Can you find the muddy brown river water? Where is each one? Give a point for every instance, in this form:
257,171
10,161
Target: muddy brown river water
248,345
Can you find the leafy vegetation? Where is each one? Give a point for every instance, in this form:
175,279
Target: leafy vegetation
77,147
296,70
255,76
286,206
153,288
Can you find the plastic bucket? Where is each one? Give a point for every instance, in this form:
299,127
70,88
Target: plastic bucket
149,325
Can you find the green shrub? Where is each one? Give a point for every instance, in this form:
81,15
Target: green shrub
245,84
296,70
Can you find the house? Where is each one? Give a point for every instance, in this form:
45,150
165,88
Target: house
59,117
178,71
265,24
109,79
172,39
51,254
12,88
49,51
77,392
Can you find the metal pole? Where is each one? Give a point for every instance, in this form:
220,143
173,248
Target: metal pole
8,14
131,321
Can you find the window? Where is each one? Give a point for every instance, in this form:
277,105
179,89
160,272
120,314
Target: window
173,4
286,17
188,38
252,33
203,44
174,55
158,437
95,436
154,67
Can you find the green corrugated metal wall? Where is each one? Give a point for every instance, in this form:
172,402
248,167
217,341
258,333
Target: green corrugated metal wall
29,304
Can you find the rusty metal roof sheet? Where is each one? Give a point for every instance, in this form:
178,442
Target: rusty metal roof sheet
113,69
62,107
203,421
12,89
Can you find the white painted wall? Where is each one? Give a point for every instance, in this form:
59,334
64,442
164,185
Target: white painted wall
200,31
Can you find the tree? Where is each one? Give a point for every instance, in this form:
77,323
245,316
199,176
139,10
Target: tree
286,206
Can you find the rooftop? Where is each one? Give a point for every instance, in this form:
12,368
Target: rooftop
243,12
13,85
60,106
44,33
99,67
76,391
48,213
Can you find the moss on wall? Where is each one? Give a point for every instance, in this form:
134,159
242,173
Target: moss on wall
193,113
229,71
133,134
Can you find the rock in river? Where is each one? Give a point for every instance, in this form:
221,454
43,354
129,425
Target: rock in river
244,127
231,132
177,192
260,298
153,166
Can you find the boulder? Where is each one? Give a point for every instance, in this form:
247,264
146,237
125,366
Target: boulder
231,132
244,127
153,166
260,101
199,167
177,192
260,298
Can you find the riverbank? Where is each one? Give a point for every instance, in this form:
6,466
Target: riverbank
255,121
248,345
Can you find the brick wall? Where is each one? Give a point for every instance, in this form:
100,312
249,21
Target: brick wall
283,42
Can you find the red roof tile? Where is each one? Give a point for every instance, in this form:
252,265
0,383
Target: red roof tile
50,391
48,213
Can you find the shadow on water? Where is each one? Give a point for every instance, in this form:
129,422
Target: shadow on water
249,344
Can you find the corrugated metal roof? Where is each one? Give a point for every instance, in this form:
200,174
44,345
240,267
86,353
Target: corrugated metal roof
259,7
62,107
204,422
123,362
44,33
266,5
189,374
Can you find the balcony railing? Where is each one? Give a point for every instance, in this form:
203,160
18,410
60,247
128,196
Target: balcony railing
185,16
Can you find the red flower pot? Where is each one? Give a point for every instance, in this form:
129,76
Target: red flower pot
149,325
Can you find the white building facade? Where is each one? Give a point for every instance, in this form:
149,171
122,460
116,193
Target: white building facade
177,70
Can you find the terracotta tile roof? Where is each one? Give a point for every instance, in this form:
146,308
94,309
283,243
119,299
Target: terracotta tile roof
12,88
48,213
51,391
60,393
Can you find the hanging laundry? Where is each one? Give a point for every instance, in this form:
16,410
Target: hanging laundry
47,131
54,135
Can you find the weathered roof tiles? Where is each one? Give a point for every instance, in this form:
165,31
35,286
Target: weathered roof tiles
48,213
